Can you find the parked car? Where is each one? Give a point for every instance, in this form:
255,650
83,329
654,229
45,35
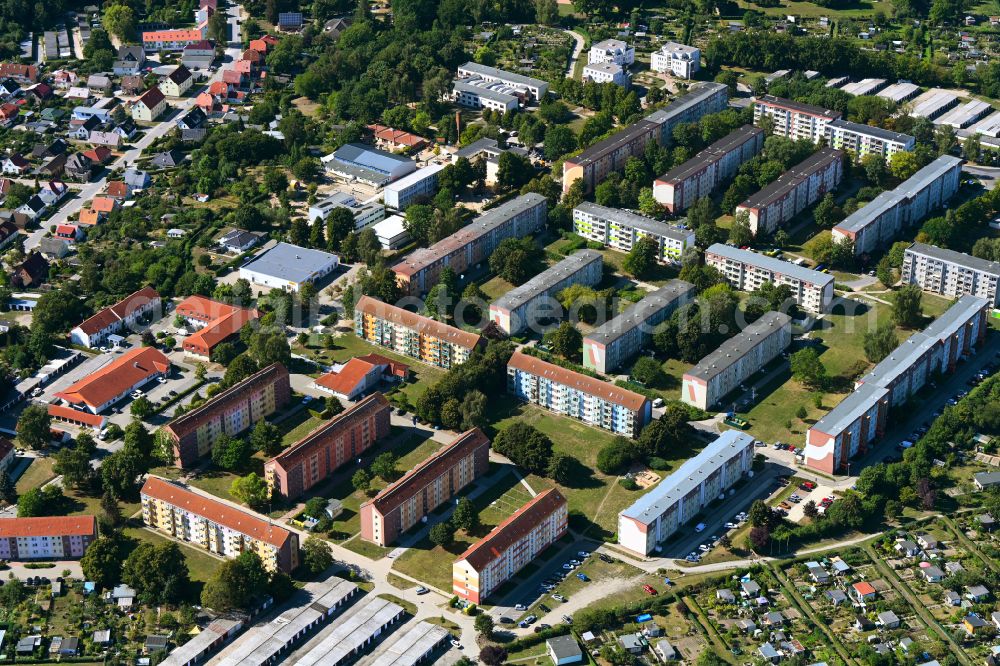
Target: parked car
422,590
583,577
650,590
559,597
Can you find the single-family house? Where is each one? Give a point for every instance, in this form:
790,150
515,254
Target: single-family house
34,207
926,541
70,232
863,591
117,189
53,249
932,574
132,84
83,129
977,594
9,88
9,114
130,60
907,548
64,78
193,119
136,179
99,84
887,620
149,105
238,241
107,139
39,92
15,165
99,155
54,167
167,159
52,191
31,272
79,167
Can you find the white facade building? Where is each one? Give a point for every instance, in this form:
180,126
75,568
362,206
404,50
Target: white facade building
606,72
613,51
950,273
419,185
679,60
288,267
621,230
747,271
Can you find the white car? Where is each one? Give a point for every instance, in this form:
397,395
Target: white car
162,380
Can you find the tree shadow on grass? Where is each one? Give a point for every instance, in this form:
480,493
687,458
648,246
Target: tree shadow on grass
580,476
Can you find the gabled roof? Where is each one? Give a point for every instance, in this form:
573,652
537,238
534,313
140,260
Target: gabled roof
180,74
513,529
115,378
48,526
119,311
151,98
589,385
416,322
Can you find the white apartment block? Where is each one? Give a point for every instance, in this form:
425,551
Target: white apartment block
536,88
419,185
747,271
621,230
878,223
613,51
950,273
482,94
679,188
793,120
679,60
606,72
679,498
864,140
716,375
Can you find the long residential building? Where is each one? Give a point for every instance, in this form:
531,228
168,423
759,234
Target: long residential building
536,88
878,223
618,340
213,323
622,229
707,383
125,314
510,546
795,190
864,140
526,305
852,426
48,538
747,271
315,457
103,388
950,273
436,480
597,403
216,526
232,411
408,333
679,188
604,157
471,245
679,498
793,120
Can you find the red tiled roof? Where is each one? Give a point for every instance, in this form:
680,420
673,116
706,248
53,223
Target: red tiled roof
173,36
19,71
67,230
89,216
864,588
396,136
348,378
98,153
48,526
253,55
218,87
69,414
221,320
396,368
512,530
116,377
203,45
412,320
581,382
103,204
117,189
216,511
119,310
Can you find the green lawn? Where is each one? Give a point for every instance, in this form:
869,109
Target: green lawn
811,10
38,473
298,426
366,548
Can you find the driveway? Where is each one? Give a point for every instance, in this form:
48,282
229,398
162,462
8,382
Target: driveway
577,50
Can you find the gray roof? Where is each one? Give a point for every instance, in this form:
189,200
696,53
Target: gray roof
771,264
799,107
696,94
869,130
544,281
850,408
864,87
898,92
512,77
688,476
736,347
463,85
959,258
639,313
640,222
476,147
613,142
411,648
290,262
713,153
358,154
352,631
791,178
887,617
987,478
564,647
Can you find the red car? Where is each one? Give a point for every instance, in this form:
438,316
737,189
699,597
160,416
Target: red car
650,590
807,485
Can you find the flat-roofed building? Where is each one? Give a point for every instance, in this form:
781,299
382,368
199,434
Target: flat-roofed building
618,340
315,457
235,410
216,526
679,60
793,120
46,538
289,267
510,546
415,645
794,191
366,213
218,632
716,375
536,87
403,503
368,164
950,273
606,72
853,425
126,313
988,126
864,140
613,51
413,335
676,500
622,229
679,188
597,403
899,92
535,300
101,389
351,633
477,93
878,223
932,104
420,185
471,245
747,271
865,87
965,115
609,155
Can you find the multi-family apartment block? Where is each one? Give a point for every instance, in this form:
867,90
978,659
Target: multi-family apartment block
622,229
793,120
510,546
613,51
125,314
747,271
877,224
679,188
618,340
48,538
535,300
404,332
864,140
592,401
848,429
315,457
471,245
231,412
436,480
419,185
680,497
172,40
737,358
606,72
216,526
604,157
796,189
679,60
950,273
